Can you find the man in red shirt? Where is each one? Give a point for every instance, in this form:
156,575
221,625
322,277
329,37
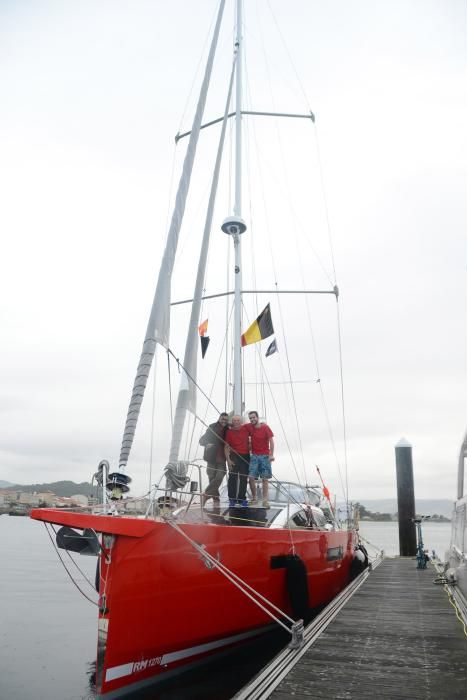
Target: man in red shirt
262,454
237,453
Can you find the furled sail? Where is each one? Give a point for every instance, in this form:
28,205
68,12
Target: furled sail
186,400
159,321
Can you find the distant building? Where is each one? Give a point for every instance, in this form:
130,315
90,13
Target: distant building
80,499
46,497
66,502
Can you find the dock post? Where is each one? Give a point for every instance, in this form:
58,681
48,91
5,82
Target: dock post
405,499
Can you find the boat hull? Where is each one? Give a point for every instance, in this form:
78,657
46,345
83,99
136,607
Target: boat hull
164,606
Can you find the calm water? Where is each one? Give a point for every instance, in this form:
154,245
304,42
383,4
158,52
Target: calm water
386,536
48,630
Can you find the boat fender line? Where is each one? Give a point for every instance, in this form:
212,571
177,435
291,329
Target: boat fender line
296,626
296,583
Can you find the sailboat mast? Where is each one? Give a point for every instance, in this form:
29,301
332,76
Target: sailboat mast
237,382
234,225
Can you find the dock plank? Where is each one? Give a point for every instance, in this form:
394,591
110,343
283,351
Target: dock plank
397,637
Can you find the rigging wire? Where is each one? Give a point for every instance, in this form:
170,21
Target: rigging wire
292,391
325,202
312,335
203,421
197,69
194,382
254,595
319,382
284,336
76,564
284,173
258,351
67,570
342,400
266,214
328,225
297,76
271,171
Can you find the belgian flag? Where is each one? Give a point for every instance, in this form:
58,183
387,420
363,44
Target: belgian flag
259,329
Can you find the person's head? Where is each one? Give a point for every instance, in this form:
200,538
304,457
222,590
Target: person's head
223,418
253,416
236,422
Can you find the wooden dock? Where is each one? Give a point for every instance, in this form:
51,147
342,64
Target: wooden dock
397,637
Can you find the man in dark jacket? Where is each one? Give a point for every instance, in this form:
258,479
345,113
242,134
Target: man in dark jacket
213,443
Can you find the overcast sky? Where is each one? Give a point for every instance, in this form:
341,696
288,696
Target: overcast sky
92,95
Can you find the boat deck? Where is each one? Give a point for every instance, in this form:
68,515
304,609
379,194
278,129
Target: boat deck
397,637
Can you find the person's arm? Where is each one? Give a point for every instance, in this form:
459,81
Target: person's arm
207,438
271,449
227,454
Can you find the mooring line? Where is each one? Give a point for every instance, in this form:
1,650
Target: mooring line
296,629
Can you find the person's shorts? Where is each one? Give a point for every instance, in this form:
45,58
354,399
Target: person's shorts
260,467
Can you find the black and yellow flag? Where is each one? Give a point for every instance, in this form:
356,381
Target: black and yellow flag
259,329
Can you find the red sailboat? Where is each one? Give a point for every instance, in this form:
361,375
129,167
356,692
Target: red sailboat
185,581
173,595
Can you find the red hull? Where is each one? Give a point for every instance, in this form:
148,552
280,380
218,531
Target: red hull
163,608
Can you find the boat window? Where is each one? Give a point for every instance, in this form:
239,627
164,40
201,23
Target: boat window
259,517
299,520
295,494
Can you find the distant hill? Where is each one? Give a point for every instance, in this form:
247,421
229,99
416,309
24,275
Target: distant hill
5,484
423,506
60,488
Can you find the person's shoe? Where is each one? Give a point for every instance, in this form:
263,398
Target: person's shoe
253,502
238,504
244,503
232,503
265,504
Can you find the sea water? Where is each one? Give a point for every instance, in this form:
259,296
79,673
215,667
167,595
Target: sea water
48,628
385,536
